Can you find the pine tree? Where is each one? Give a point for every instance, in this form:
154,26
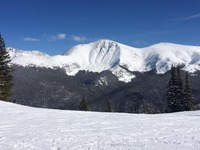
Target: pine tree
83,106
174,92
179,90
171,92
5,73
109,108
188,100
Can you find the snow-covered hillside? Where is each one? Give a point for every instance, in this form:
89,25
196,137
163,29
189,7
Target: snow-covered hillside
26,128
109,55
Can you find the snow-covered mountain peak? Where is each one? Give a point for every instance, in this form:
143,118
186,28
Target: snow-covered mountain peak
161,56
37,58
21,53
96,56
105,44
118,58
100,46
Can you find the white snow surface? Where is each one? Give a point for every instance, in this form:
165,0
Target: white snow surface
110,55
26,128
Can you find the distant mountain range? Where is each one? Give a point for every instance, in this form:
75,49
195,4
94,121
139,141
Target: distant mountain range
96,70
120,59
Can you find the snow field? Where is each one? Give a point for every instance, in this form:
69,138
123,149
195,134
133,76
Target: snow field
26,128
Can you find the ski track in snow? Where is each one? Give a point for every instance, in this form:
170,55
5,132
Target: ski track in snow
26,128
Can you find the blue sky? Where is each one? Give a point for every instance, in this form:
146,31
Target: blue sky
54,26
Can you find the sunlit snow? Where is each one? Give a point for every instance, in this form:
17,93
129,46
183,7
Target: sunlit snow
26,128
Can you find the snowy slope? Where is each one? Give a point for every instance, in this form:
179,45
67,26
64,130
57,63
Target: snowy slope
161,56
38,59
26,128
109,55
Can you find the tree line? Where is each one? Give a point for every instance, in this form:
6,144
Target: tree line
179,96
83,105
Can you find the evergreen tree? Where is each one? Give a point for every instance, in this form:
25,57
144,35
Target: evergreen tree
179,88
109,108
179,78
174,92
146,107
5,73
83,106
188,100
171,92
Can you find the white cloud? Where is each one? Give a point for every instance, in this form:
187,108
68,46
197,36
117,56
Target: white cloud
59,36
30,39
187,18
192,17
79,39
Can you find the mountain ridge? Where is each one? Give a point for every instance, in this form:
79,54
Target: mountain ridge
116,57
